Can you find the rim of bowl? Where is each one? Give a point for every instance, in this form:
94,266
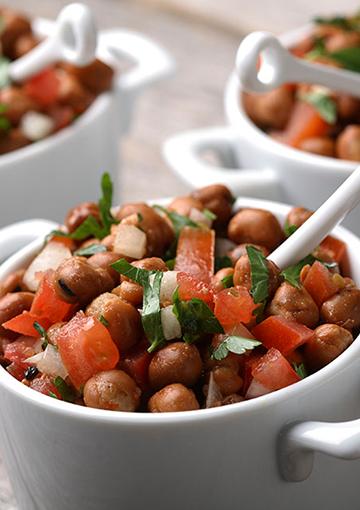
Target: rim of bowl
239,119
252,406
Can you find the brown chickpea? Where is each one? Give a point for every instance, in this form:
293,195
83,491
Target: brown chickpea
218,199
321,145
13,282
234,398
78,214
219,276
158,231
342,40
53,332
173,398
114,390
13,26
13,141
13,304
242,274
328,342
175,363
227,379
183,205
272,109
294,304
76,281
240,250
348,143
16,103
297,216
123,320
343,309
348,107
104,260
255,226
95,77
72,93
24,44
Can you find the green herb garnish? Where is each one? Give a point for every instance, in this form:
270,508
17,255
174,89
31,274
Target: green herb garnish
103,321
348,58
322,103
228,281
259,274
222,262
235,344
178,221
292,273
300,370
136,274
52,395
92,249
195,318
42,333
4,72
209,214
5,124
336,21
66,392
170,264
289,229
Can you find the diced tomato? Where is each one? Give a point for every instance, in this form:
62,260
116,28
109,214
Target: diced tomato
17,370
282,334
69,243
195,253
319,283
61,115
86,348
47,303
250,361
24,323
271,373
305,122
20,349
136,363
43,87
334,247
45,385
190,287
234,306
295,357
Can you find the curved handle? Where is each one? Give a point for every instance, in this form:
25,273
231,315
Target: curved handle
18,235
278,66
151,61
299,442
73,39
183,153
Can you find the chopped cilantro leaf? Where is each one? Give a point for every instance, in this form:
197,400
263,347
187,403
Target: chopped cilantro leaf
259,274
292,273
66,392
235,344
209,214
178,221
104,321
289,229
92,249
322,103
228,281
300,370
42,333
222,262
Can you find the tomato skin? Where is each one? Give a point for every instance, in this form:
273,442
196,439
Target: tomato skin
335,248
86,348
234,306
136,364
305,122
190,287
274,372
47,303
319,283
282,334
24,323
43,87
17,370
17,352
61,115
45,386
195,253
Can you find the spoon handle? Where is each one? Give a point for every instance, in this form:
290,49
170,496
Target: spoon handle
312,232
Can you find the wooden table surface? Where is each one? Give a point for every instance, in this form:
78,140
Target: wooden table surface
193,98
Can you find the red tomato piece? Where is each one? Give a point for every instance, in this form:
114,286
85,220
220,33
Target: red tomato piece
195,253
61,115
86,348
319,283
250,361
234,306
47,303
17,370
43,87
24,323
335,248
46,386
136,363
282,334
273,371
190,287
20,349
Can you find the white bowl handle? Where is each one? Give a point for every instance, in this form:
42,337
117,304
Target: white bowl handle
299,442
183,153
18,235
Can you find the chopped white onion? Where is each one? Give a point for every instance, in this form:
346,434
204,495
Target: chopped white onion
168,286
223,246
49,362
214,394
170,325
199,217
35,125
130,241
256,389
50,257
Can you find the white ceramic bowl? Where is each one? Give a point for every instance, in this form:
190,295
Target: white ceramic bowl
61,456
49,176
254,163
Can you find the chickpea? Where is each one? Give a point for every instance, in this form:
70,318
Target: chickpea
230,399
114,390
348,143
242,274
53,332
72,93
14,25
218,199
24,44
328,342
240,250
158,231
13,304
176,363
348,107
343,309
78,214
294,304
219,276
123,319
272,109
104,260
95,77
321,145
183,205
76,281
227,380
16,103
12,283
256,226
173,398
297,216
13,141
342,40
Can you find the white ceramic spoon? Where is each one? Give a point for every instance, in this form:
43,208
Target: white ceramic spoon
306,238
74,40
278,66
